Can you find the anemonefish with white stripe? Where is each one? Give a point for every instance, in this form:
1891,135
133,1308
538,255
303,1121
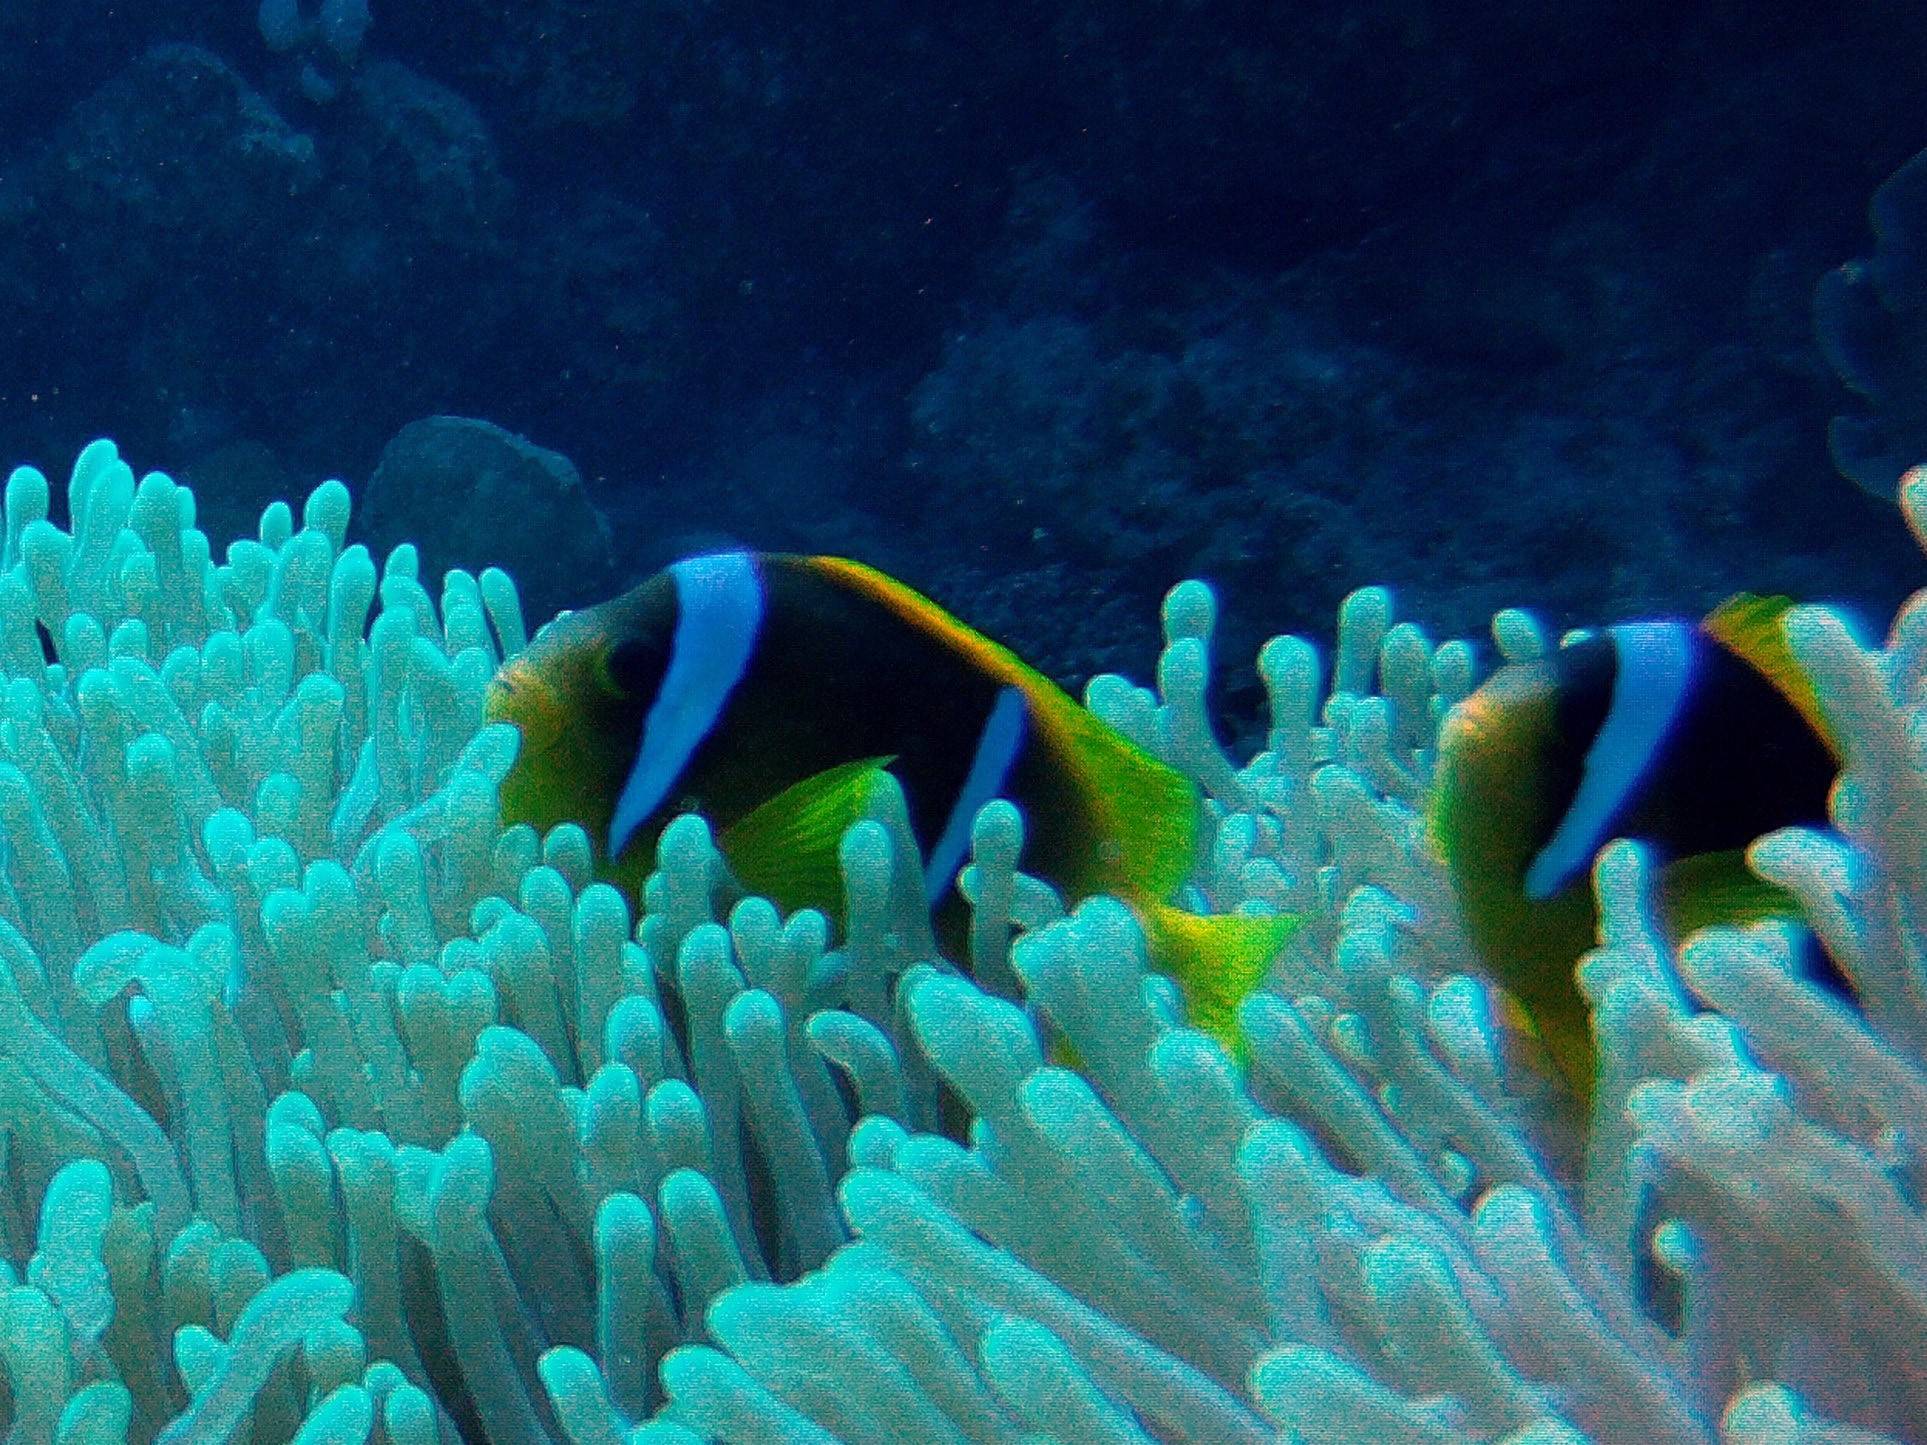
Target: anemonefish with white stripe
766,691
1694,738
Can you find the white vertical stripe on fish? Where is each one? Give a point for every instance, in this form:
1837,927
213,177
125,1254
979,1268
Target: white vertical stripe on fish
1653,666
719,600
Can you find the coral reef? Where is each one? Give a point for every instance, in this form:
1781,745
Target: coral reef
336,1112
1870,318
1495,265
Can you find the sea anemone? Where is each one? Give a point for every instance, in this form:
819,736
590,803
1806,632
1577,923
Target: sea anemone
330,1109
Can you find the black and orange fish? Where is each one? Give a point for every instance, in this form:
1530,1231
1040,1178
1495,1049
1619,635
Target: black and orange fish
1695,738
766,692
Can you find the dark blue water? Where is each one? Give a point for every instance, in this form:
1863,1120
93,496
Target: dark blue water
1043,306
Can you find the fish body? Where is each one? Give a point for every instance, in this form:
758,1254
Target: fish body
763,690
1695,738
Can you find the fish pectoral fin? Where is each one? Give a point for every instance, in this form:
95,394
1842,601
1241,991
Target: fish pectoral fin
1715,888
1217,959
1694,893
787,848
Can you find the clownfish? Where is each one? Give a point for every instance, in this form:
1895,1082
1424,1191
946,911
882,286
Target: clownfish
1695,738
766,691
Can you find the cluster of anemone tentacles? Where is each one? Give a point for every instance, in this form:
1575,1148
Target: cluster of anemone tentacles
332,1111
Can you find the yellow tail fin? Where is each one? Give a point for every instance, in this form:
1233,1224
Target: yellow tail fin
1217,960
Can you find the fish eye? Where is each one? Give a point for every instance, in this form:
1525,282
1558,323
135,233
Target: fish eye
635,666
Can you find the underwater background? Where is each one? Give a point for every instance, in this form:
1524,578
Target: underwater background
1297,1057
1041,307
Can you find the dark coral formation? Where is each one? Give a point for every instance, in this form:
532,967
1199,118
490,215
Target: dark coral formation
1494,303
1871,318
472,495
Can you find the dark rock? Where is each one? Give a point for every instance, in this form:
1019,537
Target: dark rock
174,166
54,52
423,152
469,494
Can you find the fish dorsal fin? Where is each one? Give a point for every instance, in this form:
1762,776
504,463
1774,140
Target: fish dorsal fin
1217,960
1753,629
787,849
921,613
